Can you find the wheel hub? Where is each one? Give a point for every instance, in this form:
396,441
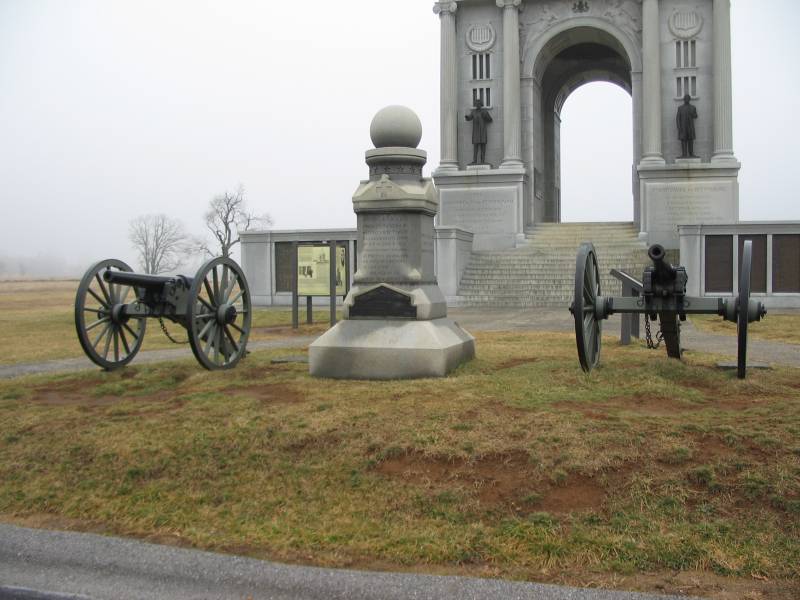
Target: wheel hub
118,315
226,314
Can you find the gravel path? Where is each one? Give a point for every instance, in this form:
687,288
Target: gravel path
550,319
151,356
41,565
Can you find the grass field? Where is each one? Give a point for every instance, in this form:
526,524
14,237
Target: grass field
775,327
37,323
650,474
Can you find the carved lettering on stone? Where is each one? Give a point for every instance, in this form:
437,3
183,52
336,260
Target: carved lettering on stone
673,204
482,212
384,248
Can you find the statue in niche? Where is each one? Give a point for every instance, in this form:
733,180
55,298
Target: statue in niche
480,118
687,113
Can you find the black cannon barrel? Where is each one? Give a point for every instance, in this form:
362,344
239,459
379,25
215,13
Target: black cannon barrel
664,270
150,282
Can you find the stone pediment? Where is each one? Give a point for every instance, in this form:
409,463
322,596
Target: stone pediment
418,195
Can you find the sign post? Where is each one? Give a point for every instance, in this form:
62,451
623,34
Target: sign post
295,296
334,259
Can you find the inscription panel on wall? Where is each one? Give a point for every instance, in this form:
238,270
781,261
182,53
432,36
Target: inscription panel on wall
481,211
385,241
669,204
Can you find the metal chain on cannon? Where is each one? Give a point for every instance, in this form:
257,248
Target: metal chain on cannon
649,335
166,333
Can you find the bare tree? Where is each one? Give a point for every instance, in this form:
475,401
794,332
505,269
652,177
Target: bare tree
227,215
160,242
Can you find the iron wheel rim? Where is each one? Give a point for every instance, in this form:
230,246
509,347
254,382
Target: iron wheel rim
218,344
588,328
98,298
743,305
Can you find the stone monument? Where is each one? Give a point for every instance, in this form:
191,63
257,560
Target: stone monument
395,316
523,58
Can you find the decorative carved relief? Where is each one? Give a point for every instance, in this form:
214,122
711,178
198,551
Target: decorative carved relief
481,37
627,14
624,13
539,17
685,24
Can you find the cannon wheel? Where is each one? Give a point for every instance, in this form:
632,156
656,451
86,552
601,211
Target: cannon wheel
219,314
742,305
587,288
108,337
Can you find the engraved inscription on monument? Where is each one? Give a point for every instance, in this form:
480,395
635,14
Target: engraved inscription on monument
484,212
384,248
689,203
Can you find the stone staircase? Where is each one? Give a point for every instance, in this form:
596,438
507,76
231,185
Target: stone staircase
542,271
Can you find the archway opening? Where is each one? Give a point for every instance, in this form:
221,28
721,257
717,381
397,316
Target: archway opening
596,150
567,61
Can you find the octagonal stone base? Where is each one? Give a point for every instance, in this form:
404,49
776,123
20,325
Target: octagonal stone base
390,349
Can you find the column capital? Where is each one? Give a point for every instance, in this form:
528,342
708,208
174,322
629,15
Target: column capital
445,7
508,3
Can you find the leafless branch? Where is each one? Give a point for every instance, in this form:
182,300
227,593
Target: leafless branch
160,242
227,215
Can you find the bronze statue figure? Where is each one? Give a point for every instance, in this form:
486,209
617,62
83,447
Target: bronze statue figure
480,118
686,116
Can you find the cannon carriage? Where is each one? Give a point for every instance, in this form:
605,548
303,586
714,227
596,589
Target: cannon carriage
662,297
113,303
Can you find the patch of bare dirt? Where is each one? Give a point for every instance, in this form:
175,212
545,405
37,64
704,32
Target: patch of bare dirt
74,394
273,393
495,407
639,403
577,494
689,583
710,449
515,362
503,480
324,441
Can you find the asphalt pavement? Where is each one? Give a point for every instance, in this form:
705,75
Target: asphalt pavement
57,565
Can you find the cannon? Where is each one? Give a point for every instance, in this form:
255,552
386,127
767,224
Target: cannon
662,296
113,303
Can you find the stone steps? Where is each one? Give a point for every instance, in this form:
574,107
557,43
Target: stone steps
542,271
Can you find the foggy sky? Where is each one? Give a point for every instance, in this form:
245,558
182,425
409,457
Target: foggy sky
112,109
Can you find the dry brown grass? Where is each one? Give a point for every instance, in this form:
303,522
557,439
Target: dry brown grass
778,327
37,323
516,465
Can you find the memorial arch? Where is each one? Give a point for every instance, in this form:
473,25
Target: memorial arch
556,63
523,58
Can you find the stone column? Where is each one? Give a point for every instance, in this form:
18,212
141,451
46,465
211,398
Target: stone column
651,85
723,129
449,85
512,125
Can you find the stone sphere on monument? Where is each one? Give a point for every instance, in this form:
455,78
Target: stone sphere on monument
395,126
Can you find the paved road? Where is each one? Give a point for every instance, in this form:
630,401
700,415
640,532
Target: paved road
81,565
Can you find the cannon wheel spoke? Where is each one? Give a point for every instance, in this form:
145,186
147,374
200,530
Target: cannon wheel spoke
219,284
102,334
587,289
